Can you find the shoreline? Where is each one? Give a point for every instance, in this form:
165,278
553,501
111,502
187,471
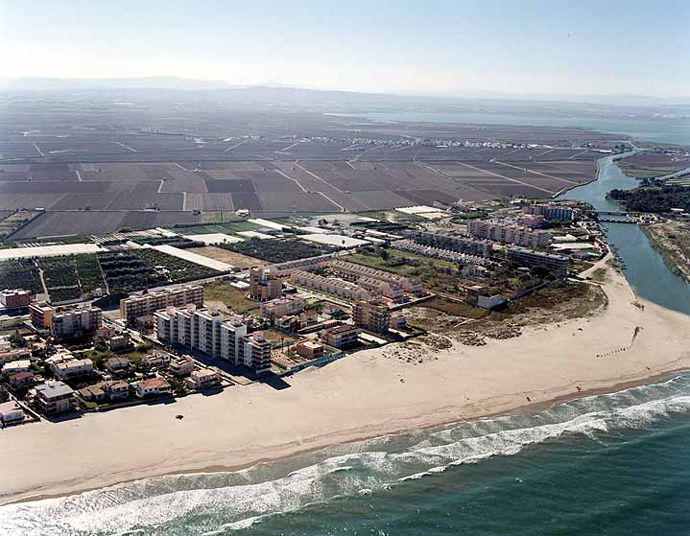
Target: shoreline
524,409
364,396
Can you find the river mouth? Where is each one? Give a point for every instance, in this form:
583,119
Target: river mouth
644,267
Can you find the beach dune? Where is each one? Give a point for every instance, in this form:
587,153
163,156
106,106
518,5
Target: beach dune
364,395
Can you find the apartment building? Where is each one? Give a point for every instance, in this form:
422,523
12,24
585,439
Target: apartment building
264,284
550,211
556,264
350,269
41,315
256,352
341,337
282,306
205,331
14,299
371,316
509,233
329,285
71,322
54,398
140,305
459,243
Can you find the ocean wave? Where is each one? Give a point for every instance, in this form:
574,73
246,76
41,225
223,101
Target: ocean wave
242,498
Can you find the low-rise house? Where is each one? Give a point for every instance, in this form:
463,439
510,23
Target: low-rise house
11,412
15,367
119,343
61,356
309,349
117,390
53,398
289,323
180,366
203,378
398,322
92,393
116,365
341,337
7,354
73,368
153,387
21,379
157,359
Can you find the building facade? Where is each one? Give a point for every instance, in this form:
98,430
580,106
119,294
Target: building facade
371,316
341,337
140,305
509,234
71,322
205,331
14,299
556,264
41,315
264,284
550,211
459,243
54,398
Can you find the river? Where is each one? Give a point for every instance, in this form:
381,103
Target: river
644,267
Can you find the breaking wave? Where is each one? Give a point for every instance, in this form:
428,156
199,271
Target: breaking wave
221,503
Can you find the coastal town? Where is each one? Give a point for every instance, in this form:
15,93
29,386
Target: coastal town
349,283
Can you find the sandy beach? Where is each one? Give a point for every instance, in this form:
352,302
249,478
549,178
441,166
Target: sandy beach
364,395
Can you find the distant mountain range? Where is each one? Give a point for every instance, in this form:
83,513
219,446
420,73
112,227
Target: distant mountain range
298,95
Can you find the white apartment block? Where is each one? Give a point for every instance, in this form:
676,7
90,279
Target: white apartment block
509,234
204,330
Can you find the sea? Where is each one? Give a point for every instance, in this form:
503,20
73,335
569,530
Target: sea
611,464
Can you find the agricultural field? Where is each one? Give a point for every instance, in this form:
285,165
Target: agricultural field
130,270
72,277
224,255
11,221
20,273
210,228
110,170
275,251
653,164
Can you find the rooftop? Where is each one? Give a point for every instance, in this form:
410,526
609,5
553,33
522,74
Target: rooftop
53,389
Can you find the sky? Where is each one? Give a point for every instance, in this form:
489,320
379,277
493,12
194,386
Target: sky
554,47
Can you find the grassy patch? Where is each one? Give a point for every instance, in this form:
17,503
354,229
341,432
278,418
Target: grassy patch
455,308
234,298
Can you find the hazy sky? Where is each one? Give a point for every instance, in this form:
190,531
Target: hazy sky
444,46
